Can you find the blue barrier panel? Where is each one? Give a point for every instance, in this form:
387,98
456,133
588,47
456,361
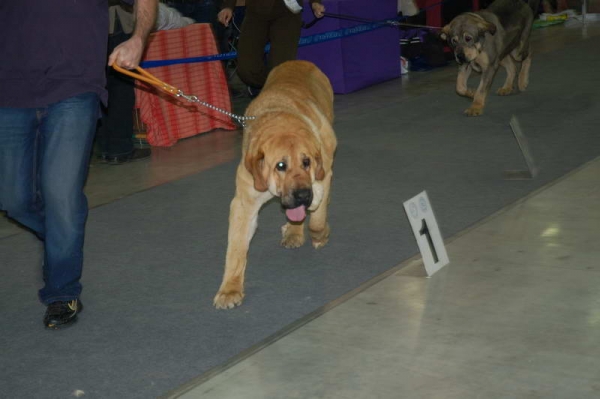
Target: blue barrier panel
304,41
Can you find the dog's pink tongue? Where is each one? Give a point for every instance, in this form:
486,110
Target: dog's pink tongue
296,214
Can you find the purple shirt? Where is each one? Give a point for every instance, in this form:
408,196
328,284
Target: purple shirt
52,50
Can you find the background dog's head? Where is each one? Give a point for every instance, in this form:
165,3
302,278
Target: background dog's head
285,159
466,34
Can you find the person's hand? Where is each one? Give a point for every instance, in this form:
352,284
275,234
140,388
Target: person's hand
318,9
127,54
225,15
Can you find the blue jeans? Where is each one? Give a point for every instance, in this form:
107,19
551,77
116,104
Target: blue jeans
44,156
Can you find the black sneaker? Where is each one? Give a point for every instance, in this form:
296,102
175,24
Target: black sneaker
62,314
136,155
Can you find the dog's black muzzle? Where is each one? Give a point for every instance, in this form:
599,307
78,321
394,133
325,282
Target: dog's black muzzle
298,198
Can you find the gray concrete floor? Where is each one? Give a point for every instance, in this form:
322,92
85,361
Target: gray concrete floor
513,316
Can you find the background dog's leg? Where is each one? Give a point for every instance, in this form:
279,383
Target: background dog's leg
511,73
318,226
292,235
487,77
524,74
464,71
523,53
243,219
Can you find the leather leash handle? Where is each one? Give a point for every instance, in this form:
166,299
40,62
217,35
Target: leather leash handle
147,77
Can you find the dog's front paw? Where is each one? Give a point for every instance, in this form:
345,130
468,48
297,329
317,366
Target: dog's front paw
474,111
292,236
320,238
504,91
228,299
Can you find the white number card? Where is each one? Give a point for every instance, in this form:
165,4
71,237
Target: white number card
426,231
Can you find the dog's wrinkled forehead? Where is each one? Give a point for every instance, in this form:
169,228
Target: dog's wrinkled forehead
287,147
465,24
469,24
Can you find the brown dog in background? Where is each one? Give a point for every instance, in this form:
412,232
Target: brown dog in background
287,152
484,40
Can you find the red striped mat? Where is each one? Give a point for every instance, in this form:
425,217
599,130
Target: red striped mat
169,119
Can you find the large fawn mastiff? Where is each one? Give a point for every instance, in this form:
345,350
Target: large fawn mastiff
287,152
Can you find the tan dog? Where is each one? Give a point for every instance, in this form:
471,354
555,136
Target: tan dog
288,153
484,40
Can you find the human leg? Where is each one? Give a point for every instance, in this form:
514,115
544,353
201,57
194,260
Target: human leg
44,155
284,35
65,137
18,188
254,36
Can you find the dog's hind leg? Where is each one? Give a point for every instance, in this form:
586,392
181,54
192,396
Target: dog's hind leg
511,72
318,226
464,71
523,54
524,73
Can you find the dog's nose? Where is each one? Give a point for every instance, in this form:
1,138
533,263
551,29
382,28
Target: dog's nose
303,197
461,58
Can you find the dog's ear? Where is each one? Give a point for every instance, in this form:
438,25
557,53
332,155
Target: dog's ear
254,163
486,27
319,171
445,32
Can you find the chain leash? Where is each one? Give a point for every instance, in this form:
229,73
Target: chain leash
147,77
240,119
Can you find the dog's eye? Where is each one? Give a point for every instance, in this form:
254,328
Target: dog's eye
306,163
468,39
454,41
281,166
